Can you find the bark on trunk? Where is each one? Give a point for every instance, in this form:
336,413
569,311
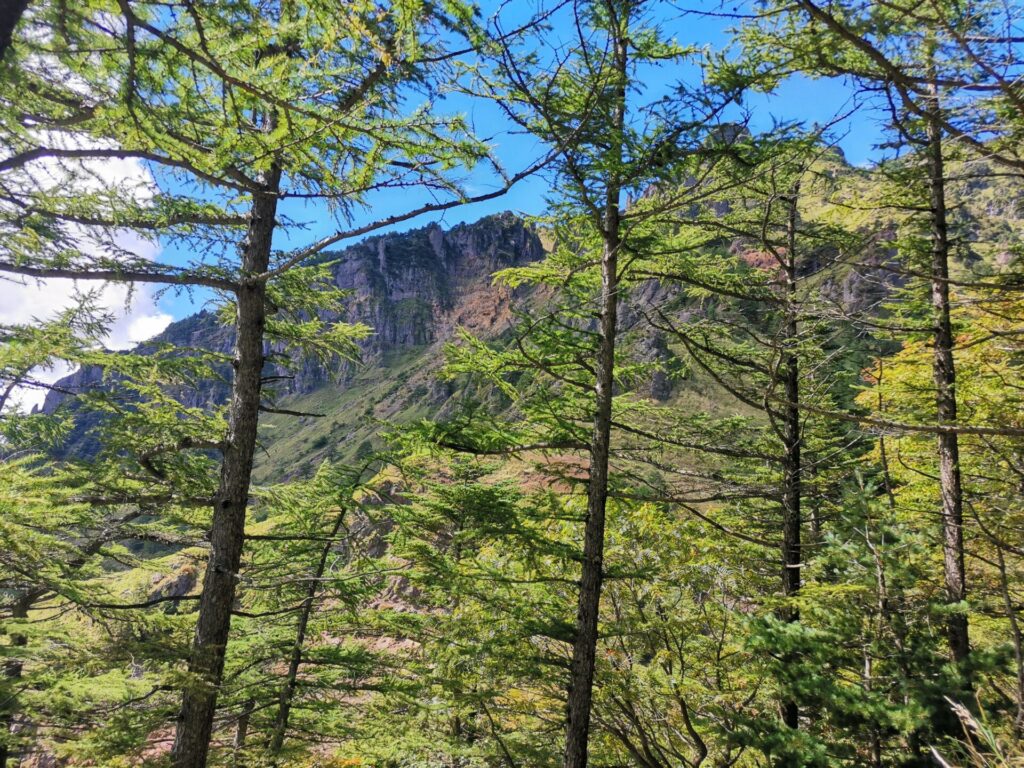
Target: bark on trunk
581,675
11,12
792,439
944,374
195,723
287,695
12,673
241,732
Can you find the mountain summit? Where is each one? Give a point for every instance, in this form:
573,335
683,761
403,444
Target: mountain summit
414,290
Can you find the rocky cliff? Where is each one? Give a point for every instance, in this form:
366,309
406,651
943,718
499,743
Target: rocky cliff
414,289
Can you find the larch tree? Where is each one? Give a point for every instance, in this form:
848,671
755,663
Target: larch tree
621,159
907,56
750,324
237,116
581,111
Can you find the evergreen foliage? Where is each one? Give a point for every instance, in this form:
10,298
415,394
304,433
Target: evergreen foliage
730,475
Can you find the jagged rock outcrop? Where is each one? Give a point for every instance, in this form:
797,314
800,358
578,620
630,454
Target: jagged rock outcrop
413,289
417,287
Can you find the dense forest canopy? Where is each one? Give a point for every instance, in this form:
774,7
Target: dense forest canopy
710,454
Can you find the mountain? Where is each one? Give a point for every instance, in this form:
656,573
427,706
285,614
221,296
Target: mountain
414,289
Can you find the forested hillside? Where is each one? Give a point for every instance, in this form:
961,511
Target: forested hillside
712,457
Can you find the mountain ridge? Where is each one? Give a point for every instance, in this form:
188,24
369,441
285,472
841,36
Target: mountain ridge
416,288
413,289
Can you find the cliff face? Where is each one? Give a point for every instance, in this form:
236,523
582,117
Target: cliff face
413,289
416,287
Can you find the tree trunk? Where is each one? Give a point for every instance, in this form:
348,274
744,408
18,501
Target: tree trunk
195,724
791,480
11,12
242,731
944,373
581,678
287,694
12,673
581,675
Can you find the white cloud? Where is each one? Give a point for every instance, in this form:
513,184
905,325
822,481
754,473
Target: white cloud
145,327
136,318
136,314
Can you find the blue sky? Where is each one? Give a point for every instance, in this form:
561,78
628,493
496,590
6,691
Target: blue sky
798,99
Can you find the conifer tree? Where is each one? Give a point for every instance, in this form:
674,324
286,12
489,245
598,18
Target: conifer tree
907,55
610,153
236,113
749,319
